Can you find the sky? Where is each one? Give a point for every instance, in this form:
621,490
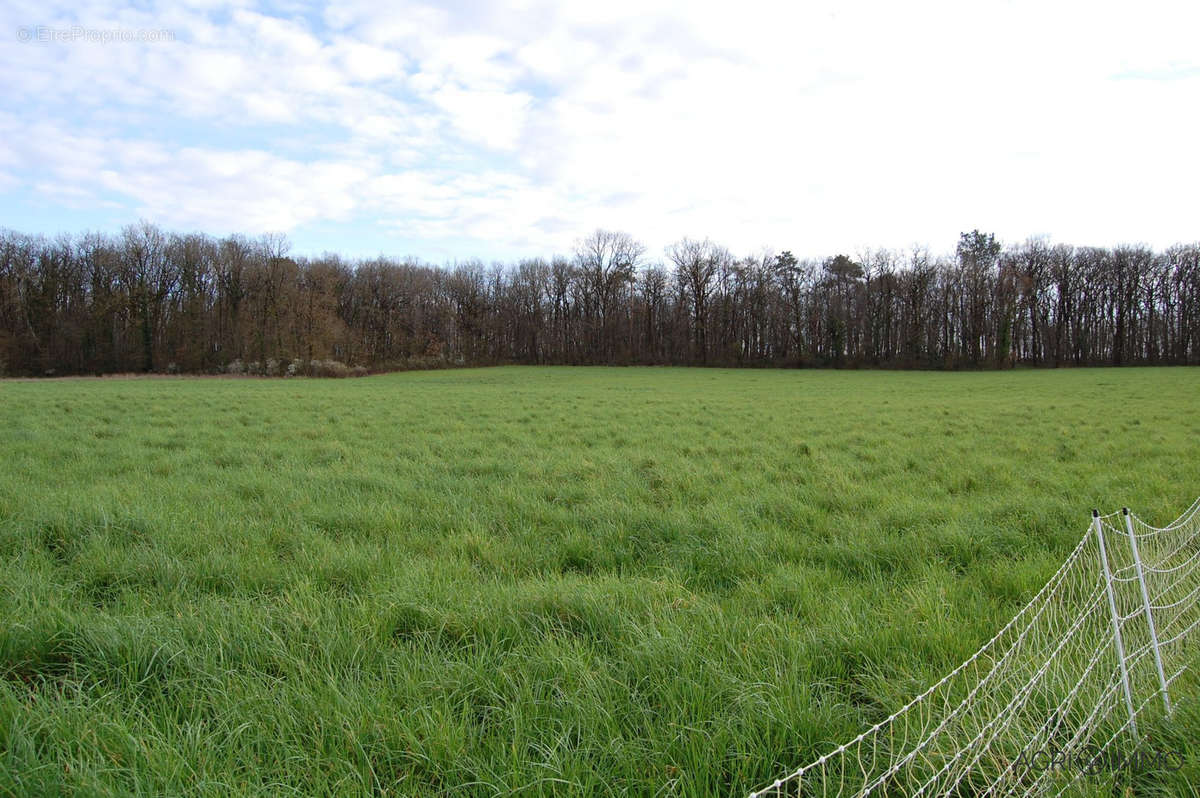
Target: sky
495,131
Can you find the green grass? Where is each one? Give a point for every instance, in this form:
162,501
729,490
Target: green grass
531,581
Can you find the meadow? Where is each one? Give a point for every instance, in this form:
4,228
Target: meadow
532,581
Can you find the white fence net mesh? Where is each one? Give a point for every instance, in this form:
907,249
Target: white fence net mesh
1072,672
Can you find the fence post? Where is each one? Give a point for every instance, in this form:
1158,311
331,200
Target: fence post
1116,623
1137,561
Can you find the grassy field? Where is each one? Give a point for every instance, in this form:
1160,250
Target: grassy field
534,581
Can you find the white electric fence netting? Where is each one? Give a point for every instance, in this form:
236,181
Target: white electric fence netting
1097,649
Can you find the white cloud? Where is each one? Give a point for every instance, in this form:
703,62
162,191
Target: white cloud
818,127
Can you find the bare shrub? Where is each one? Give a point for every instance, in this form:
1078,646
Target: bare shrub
334,368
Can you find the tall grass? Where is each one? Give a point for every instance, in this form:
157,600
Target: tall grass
532,581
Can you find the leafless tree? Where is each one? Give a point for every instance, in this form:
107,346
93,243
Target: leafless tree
148,299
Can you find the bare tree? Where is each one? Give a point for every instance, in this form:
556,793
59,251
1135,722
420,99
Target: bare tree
145,299
696,264
607,261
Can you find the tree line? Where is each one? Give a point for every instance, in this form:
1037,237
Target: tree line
151,300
